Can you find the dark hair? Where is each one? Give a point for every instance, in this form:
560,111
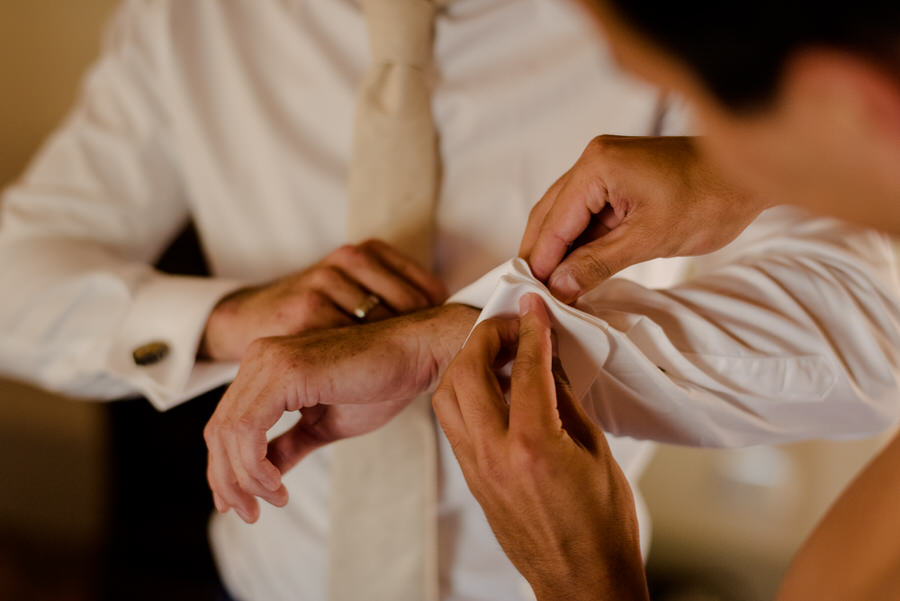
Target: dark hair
739,49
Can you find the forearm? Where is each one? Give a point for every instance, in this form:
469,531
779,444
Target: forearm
74,313
80,230
854,553
743,355
621,578
773,343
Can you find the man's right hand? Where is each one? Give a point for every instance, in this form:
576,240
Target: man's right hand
628,200
322,296
344,381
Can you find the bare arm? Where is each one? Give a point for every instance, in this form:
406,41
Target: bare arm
854,553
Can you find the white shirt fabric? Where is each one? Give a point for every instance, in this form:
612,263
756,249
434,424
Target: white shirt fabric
238,115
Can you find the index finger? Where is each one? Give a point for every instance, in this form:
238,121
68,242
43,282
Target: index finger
583,195
532,404
415,274
539,213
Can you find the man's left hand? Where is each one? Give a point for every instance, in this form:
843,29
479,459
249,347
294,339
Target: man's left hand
558,503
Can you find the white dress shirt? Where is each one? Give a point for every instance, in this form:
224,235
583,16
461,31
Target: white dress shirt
238,115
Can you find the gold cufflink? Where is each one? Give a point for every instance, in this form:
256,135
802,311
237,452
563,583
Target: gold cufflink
150,353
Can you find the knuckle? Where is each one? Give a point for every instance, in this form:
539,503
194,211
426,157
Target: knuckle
533,342
372,244
525,364
211,478
266,353
323,276
243,425
245,483
312,301
592,269
210,432
347,255
350,254
594,147
598,145
226,428
274,354
526,358
258,348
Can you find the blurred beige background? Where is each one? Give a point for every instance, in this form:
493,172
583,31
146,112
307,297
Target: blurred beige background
51,451
723,520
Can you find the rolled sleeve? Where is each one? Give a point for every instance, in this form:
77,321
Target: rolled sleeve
793,332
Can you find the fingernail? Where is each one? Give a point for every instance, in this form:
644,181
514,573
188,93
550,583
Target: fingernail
281,498
528,303
563,286
244,515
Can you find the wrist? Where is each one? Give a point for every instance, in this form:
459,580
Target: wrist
436,335
705,176
614,570
451,326
615,587
220,328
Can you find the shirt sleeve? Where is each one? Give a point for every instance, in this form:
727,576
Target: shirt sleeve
791,332
79,231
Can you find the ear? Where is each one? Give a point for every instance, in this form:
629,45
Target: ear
852,89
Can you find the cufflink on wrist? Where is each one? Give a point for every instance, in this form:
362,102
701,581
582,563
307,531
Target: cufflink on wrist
150,353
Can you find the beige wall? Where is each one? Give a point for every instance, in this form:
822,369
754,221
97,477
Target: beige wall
51,450
45,46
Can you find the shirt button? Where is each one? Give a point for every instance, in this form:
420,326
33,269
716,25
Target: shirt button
150,353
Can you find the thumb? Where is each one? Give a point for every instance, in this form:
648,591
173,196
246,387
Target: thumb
592,264
288,449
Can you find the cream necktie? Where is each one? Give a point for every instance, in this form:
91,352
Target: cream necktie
383,542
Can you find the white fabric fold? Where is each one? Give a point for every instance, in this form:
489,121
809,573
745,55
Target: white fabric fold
581,352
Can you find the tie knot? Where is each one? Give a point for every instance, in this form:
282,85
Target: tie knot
401,31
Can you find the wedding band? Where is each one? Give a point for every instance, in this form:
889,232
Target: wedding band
366,307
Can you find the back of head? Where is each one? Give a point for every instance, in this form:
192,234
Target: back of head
739,49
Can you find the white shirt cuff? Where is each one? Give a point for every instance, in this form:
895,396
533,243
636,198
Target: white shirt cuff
172,311
583,350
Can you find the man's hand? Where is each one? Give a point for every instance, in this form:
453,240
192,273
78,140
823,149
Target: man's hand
344,381
322,296
558,503
629,200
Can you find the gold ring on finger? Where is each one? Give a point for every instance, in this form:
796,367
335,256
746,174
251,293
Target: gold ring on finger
366,307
